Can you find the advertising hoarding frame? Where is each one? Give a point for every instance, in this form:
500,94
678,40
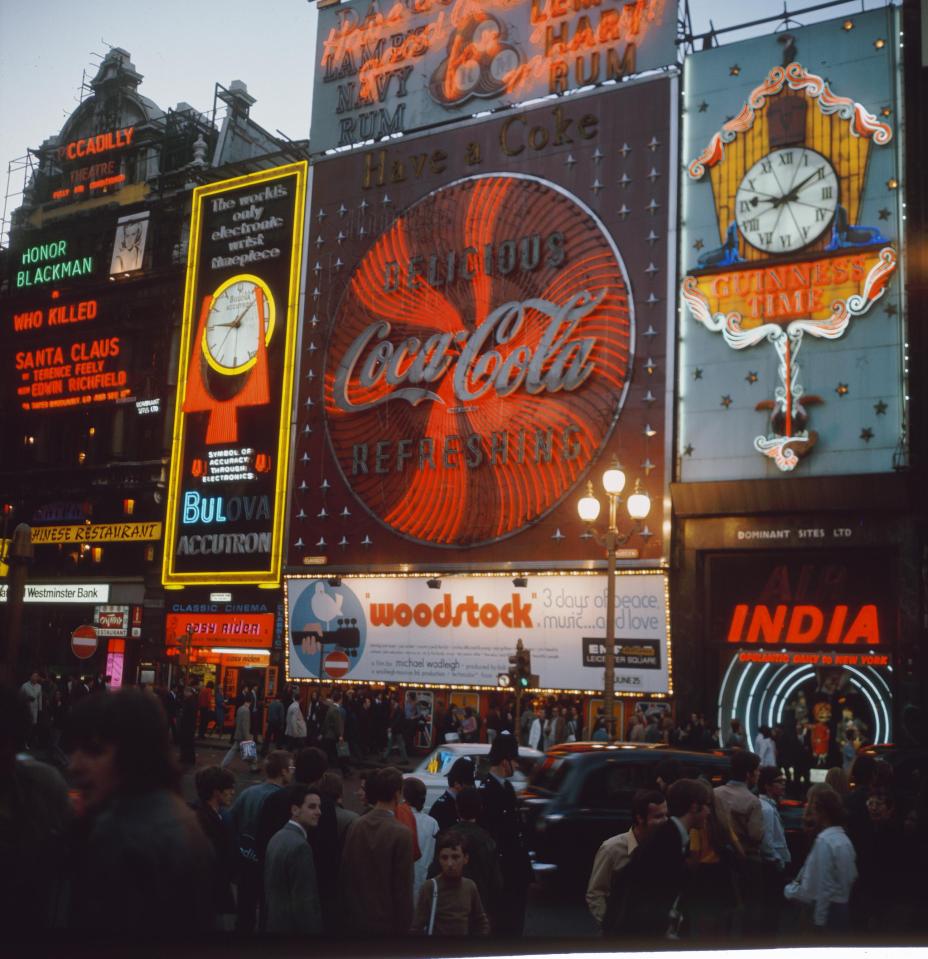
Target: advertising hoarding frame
511,52
551,579
326,556
270,575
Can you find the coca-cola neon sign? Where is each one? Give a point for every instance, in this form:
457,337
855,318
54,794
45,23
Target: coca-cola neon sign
478,360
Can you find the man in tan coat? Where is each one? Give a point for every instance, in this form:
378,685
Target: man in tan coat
376,875
649,810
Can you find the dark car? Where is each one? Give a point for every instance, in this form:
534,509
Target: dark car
581,794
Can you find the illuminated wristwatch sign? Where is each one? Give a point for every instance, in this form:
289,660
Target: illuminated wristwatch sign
231,438
478,360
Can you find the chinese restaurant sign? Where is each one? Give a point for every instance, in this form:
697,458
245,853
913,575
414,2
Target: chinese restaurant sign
231,439
791,206
389,67
479,340
398,630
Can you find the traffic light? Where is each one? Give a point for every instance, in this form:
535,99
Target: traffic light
520,668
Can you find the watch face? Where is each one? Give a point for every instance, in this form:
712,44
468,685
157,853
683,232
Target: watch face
230,339
786,200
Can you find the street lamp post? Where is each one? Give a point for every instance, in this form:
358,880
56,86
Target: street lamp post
638,506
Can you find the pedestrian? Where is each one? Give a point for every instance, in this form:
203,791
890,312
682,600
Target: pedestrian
141,852
649,810
482,856
494,723
291,887
535,735
500,818
774,851
460,775
414,792
636,733
241,734
187,726
654,879
206,707
215,788
245,815
450,729
711,894
469,726
824,883
295,723
220,701
765,747
332,787
333,731
888,853
652,733
275,735
449,904
396,740
35,816
740,810
736,738
31,692
376,872
171,705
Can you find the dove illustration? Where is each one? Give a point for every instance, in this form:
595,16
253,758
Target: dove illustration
324,606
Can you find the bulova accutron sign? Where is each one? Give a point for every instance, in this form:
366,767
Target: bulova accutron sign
231,438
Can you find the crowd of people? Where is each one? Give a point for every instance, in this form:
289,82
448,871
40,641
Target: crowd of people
115,844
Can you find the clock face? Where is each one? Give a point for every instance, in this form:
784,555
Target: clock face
786,200
230,339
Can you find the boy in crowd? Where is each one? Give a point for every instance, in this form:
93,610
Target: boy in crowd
449,905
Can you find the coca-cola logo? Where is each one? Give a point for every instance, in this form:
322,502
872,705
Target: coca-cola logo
478,360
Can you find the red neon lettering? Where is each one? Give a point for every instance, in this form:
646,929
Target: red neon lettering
865,629
805,625
763,623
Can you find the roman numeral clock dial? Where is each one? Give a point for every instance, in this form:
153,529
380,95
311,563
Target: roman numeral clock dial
786,200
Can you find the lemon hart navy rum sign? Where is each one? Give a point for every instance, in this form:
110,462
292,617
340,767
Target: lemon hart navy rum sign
231,428
486,325
792,328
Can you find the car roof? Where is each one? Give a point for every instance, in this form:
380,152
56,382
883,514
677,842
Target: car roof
482,749
635,752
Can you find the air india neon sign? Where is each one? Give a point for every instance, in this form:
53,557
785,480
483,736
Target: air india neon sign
804,625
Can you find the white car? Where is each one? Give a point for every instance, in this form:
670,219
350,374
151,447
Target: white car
434,768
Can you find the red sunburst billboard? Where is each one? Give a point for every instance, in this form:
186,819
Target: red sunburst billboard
487,326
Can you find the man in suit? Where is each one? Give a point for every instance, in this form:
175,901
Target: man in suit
500,817
460,776
654,878
290,886
376,875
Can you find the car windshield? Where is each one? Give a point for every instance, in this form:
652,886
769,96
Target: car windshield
550,774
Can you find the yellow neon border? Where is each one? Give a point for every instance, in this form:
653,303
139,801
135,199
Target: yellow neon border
268,333
271,577
322,574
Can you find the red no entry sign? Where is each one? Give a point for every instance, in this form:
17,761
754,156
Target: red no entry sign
336,664
84,642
